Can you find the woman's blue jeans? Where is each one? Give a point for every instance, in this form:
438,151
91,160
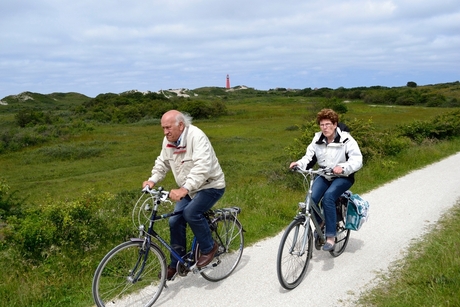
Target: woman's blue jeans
329,191
193,214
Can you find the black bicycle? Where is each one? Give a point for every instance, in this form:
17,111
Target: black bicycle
134,272
296,246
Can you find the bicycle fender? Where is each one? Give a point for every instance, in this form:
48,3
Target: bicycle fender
232,210
140,240
136,240
300,217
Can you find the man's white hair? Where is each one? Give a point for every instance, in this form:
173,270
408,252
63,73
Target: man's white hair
185,118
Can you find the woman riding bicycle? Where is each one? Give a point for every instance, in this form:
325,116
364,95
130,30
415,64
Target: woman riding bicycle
336,149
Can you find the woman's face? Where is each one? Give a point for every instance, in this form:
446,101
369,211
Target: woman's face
327,127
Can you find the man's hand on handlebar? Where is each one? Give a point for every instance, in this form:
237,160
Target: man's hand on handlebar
151,184
178,194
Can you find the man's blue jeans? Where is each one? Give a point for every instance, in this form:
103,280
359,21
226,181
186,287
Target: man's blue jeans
193,210
329,191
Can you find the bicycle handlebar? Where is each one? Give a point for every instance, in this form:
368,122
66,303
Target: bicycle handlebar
319,171
159,192
328,172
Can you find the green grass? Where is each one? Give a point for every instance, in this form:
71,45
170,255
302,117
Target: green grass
250,144
429,275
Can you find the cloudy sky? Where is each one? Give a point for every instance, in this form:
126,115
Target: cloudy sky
100,46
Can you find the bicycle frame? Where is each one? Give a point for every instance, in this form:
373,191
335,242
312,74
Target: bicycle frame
147,240
308,208
151,233
138,267
296,245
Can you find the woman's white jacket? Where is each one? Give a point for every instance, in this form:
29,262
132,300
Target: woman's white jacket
343,151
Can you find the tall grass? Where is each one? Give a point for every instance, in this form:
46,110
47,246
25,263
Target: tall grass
251,146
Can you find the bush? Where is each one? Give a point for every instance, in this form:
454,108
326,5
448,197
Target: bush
443,126
199,109
28,117
336,105
58,227
15,139
435,100
128,107
9,204
300,144
55,248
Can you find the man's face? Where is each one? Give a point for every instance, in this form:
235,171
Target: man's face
171,131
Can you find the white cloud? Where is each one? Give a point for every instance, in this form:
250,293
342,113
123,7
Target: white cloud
115,45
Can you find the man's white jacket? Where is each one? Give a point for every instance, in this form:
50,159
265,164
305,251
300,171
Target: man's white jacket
193,162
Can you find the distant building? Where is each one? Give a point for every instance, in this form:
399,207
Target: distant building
228,82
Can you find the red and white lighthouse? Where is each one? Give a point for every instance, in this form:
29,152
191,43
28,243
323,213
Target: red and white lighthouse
228,82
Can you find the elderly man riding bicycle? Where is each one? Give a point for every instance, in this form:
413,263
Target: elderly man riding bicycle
188,153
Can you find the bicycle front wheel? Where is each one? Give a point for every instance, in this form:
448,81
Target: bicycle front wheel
126,276
230,238
294,253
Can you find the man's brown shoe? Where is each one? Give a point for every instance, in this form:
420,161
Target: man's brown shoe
169,274
205,259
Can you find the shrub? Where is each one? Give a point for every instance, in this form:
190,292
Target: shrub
435,100
197,109
15,139
128,107
200,109
58,227
443,126
9,204
336,105
28,117
297,150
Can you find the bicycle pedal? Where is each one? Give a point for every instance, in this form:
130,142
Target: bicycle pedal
202,269
215,262
183,273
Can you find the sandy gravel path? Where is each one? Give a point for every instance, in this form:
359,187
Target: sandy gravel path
400,211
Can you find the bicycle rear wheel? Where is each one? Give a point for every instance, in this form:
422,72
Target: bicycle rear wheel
341,239
343,234
116,281
229,236
294,253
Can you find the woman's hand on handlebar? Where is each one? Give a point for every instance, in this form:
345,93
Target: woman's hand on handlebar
338,170
293,165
